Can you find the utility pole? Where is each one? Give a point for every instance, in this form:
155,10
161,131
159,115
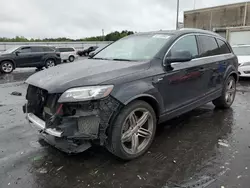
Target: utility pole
103,34
194,3
177,16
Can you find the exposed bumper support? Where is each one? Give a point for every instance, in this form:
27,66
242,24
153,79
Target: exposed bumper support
40,124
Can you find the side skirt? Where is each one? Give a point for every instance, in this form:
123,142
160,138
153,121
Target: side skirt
186,108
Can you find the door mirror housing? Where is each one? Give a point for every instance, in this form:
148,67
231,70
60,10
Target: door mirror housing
178,57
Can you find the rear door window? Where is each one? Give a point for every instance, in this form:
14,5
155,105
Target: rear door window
223,48
62,49
187,43
48,49
36,49
208,46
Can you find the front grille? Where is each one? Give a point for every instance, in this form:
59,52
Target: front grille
36,99
41,103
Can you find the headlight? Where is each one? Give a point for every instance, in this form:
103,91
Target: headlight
245,64
85,93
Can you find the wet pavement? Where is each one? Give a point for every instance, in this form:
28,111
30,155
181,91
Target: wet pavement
203,148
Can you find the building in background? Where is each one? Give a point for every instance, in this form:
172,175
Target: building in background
230,21
180,25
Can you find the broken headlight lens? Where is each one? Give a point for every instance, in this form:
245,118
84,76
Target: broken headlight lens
85,93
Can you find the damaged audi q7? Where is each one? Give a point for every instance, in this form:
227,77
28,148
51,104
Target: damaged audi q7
117,98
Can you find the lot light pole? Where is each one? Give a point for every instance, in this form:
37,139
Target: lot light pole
177,16
103,34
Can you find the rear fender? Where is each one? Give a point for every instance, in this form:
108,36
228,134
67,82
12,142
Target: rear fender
231,70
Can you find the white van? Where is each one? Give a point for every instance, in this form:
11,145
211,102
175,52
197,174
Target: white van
67,53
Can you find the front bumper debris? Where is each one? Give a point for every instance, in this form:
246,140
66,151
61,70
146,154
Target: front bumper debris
69,146
40,124
80,123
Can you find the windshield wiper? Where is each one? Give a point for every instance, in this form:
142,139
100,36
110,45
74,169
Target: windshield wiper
116,59
100,58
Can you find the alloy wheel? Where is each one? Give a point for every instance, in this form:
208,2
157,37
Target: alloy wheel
50,63
71,58
230,91
137,131
7,67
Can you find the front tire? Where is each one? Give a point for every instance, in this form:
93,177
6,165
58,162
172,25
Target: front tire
7,67
133,131
71,58
50,63
228,94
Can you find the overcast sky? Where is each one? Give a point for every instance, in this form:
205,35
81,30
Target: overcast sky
83,18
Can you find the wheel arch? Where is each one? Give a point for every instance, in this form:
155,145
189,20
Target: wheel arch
47,58
231,71
11,60
151,100
235,75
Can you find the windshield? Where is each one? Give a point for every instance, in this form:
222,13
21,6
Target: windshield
10,50
242,50
134,48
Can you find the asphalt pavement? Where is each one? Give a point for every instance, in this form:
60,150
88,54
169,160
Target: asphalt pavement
203,148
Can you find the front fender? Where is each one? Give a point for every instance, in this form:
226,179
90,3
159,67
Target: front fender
128,92
9,59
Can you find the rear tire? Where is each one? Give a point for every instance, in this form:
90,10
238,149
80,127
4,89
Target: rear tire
6,67
71,58
50,63
132,131
228,94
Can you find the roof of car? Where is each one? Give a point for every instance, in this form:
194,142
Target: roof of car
182,31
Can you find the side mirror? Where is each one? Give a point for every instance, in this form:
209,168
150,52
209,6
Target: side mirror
17,53
178,57
91,54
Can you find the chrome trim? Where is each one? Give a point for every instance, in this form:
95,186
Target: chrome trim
194,34
41,125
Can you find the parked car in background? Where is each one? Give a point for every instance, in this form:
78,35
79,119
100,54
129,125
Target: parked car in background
118,97
93,53
243,54
28,56
87,51
67,53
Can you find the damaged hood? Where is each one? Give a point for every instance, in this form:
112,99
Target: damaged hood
83,73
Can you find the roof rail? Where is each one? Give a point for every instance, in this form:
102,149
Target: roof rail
202,30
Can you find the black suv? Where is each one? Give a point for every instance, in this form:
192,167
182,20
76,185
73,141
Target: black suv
87,51
118,97
28,56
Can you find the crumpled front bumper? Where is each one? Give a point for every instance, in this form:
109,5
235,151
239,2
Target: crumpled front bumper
73,132
40,124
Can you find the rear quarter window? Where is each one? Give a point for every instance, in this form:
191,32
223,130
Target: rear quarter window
208,46
223,48
70,50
